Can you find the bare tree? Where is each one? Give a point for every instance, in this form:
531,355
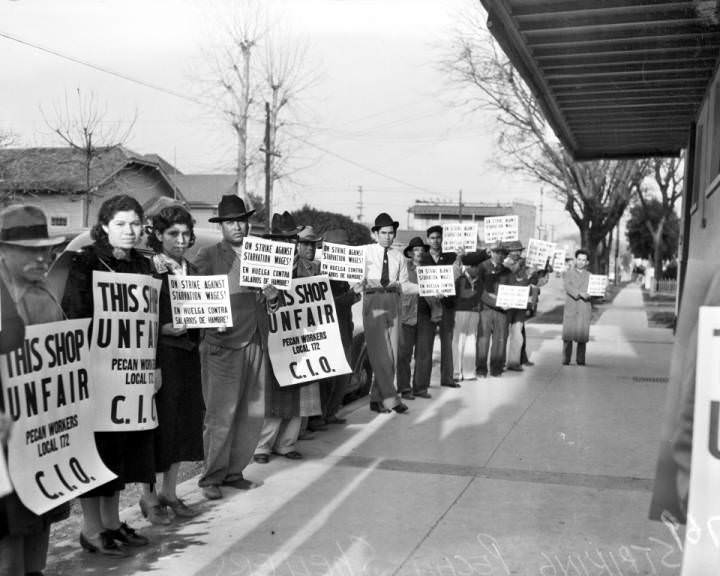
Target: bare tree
234,83
667,176
595,194
7,138
83,124
256,79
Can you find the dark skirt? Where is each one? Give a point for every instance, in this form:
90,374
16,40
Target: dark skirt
180,408
130,455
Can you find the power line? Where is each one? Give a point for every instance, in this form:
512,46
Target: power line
170,92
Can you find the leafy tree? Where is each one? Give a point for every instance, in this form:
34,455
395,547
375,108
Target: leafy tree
323,221
647,218
595,194
664,187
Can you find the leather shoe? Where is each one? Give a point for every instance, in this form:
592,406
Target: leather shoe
335,420
103,543
480,374
452,385
293,455
528,363
212,492
306,435
179,508
515,368
241,483
400,408
407,396
423,394
261,458
155,513
127,536
379,408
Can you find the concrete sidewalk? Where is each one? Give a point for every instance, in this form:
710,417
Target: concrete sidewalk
545,472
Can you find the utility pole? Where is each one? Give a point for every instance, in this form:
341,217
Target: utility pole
617,253
268,169
541,229
460,206
360,205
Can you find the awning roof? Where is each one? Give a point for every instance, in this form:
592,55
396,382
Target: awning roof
616,78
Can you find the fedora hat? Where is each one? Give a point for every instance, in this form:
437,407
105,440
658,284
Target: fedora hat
475,258
231,207
415,243
514,246
307,234
337,236
26,226
499,247
384,219
283,226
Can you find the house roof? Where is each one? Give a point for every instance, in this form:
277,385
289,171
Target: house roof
200,189
468,208
615,78
63,169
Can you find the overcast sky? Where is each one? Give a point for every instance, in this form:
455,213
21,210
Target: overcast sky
377,116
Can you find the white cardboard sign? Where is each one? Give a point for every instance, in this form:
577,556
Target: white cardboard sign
341,262
124,347
512,296
434,280
265,261
538,252
500,228
304,340
457,236
597,284
200,301
47,391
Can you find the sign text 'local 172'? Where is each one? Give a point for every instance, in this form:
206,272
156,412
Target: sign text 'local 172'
47,392
124,344
304,340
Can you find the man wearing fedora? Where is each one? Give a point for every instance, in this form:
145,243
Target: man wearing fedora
493,325
233,359
386,276
426,328
415,252
285,407
25,255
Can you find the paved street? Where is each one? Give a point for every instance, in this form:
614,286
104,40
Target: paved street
545,472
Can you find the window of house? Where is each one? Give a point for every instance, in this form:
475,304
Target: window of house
58,221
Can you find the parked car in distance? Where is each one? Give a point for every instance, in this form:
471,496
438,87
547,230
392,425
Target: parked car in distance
361,379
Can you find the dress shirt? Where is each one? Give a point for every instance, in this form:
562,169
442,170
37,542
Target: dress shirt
397,268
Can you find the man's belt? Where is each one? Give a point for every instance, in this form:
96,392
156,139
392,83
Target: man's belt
381,290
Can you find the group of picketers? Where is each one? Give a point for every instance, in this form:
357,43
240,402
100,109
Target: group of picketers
220,402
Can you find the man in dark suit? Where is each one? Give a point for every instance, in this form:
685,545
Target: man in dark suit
233,369
426,327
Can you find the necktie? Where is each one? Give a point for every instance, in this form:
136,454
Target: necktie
385,275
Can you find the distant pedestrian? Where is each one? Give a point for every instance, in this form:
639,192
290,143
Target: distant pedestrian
415,252
386,276
493,327
578,310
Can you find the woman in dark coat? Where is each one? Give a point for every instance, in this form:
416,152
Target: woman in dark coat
179,402
127,454
578,309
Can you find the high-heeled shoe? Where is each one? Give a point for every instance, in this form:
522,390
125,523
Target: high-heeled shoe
103,543
179,508
155,513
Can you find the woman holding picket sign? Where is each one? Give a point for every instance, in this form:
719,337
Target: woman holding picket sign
180,406
128,454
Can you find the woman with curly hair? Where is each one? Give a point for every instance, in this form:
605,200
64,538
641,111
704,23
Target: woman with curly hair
128,454
179,402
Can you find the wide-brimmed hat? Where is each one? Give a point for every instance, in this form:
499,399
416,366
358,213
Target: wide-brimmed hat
231,207
514,246
337,236
26,226
308,234
499,247
283,226
415,243
384,219
474,258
